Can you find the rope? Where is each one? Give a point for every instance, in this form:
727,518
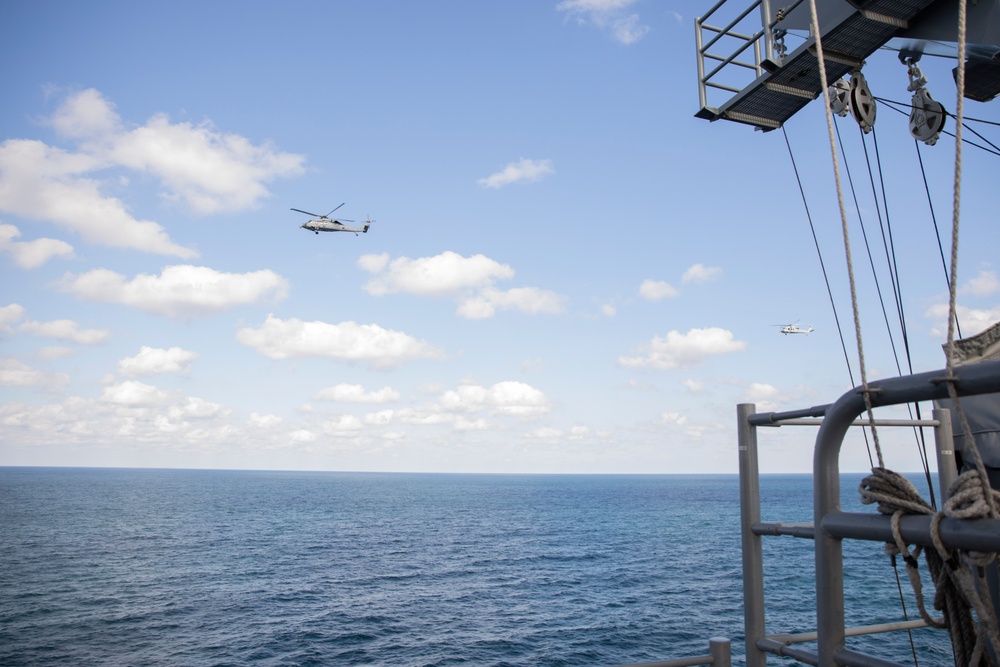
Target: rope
959,583
843,222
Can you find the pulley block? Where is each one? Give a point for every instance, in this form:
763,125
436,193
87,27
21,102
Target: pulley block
862,103
839,97
927,118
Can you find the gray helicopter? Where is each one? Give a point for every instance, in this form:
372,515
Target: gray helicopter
324,223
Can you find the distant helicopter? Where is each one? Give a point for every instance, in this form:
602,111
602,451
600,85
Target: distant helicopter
793,329
323,223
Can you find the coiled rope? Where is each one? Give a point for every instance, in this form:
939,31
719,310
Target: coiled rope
959,582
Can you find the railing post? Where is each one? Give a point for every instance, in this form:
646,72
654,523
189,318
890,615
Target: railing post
765,21
753,557
944,440
721,651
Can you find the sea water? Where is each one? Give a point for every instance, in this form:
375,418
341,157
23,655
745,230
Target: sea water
191,567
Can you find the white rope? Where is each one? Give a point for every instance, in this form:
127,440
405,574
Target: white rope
957,575
843,222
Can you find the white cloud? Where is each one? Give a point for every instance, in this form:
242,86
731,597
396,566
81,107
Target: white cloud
510,398
439,275
468,278
16,373
134,394
264,421
65,330
655,290
673,418
699,273
179,291
531,300
973,320
676,350
523,170
31,254
9,315
153,361
196,408
86,115
984,284
55,352
41,182
208,170
347,341
343,425
355,393
609,16
694,386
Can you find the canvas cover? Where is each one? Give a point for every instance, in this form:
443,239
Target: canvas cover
982,412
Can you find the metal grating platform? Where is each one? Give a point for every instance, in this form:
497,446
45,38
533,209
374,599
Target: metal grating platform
778,94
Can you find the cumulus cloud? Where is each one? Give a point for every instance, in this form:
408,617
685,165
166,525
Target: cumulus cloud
699,273
153,361
510,398
677,350
655,290
984,284
523,170
439,275
611,16
9,315
531,300
347,341
133,394
355,393
470,279
31,254
16,373
65,330
179,291
208,170
40,182
973,320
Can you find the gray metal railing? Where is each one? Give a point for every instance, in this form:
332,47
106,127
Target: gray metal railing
719,655
831,525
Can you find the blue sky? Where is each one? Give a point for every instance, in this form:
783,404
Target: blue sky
567,271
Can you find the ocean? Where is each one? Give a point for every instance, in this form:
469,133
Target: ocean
198,567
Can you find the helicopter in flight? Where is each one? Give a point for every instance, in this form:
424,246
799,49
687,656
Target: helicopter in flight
793,329
324,223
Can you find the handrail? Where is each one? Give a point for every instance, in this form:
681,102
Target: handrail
831,525
969,380
719,655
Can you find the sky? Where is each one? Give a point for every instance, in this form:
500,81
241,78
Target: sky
567,271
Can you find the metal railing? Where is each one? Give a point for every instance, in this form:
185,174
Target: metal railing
719,655
709,38
743,42
831,525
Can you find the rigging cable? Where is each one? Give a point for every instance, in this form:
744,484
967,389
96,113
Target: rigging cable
993,148
889,246
825,84
937,232
826,278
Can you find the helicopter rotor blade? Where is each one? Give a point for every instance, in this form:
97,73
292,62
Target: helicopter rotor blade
328,214
315,215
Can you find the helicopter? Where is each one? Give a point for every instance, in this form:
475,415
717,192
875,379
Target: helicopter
793,329
323,223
